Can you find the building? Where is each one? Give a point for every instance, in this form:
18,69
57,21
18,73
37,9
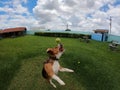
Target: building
100,34
13,32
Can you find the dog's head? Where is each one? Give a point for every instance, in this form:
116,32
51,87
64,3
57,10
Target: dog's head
56,52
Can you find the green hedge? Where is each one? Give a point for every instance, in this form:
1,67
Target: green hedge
55,34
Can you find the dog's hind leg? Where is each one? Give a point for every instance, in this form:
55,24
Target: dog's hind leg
55,77
52,83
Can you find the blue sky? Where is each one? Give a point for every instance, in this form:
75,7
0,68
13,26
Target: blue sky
31,4
83,15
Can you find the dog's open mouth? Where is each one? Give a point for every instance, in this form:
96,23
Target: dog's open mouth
55,53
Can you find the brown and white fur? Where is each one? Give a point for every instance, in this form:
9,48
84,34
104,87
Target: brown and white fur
51,66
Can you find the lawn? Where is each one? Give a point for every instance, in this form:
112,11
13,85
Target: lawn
21,61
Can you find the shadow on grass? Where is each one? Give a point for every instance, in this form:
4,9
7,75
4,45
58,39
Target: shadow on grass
7,74
9,71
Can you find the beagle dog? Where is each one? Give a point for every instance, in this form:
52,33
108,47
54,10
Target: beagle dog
51,66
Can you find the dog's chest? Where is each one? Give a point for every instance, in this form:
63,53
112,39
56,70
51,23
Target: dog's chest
56,66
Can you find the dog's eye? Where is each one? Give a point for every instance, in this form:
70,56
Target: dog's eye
50,52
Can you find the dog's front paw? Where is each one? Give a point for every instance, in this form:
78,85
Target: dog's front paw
71,70
62,83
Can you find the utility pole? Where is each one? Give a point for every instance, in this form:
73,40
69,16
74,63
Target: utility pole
67,26
110,24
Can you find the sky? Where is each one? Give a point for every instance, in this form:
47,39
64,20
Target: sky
83,15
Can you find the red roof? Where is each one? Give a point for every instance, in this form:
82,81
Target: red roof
13,29
101,31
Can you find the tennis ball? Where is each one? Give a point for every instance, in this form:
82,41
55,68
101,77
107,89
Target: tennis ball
78,62
58,40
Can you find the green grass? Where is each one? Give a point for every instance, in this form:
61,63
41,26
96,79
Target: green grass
21,61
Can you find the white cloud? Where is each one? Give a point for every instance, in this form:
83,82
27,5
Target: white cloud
16,15
114,11
80,13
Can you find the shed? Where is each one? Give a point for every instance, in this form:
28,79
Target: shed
100,34
13,32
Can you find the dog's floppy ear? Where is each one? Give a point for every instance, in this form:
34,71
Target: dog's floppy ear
49,51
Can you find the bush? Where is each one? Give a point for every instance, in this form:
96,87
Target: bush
55,34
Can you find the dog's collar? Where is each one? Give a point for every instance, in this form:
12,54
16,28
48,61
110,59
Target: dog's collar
53,58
